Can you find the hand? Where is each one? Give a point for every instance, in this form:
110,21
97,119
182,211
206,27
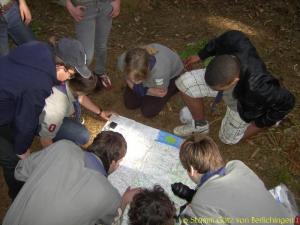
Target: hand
25,155
157,92
77,12
116,8
183,191
25,12
130,83
190,61
106,114
129,194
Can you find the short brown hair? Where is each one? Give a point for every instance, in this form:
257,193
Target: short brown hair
109,146
152,207
83,85
202,153
137,63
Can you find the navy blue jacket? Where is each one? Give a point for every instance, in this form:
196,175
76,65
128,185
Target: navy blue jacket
27,75
260,97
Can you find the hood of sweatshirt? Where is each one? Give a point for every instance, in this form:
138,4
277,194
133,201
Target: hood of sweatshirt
37,55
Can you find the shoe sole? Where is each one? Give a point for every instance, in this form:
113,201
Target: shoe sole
195,132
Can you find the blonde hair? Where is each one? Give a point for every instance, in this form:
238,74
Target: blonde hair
137,62
202,153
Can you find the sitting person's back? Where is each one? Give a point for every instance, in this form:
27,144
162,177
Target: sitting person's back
231,192
239,193
68,186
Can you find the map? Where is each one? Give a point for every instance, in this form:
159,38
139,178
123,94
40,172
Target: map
152,158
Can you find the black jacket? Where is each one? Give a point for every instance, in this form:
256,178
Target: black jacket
260,97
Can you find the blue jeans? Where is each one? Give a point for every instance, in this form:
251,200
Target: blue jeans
12,25
93,31
8,161
73,131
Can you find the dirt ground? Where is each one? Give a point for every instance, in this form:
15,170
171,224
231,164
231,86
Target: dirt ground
274,28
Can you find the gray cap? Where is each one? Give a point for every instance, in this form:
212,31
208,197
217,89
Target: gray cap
71,52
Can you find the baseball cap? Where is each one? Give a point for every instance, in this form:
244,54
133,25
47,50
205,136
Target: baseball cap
71,52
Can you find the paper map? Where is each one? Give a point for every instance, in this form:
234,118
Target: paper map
152,158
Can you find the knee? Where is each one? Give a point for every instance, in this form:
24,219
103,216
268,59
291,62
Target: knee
131,105
149,111
83,137
131,101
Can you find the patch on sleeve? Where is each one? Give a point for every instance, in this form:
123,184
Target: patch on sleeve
159,82
52,127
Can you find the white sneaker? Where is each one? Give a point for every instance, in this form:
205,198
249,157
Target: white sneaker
190,129
185,115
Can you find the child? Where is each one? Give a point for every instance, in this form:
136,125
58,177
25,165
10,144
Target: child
68,186
254,98
152,207
60,118
226,191
151,72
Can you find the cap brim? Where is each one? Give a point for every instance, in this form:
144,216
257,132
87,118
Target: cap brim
84,71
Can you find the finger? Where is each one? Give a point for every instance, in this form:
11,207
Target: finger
22,16
112,11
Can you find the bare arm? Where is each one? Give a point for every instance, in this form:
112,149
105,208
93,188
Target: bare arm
87,103
77,12
24,12
116,4
45,142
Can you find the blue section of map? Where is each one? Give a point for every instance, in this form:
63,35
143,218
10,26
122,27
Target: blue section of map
169,139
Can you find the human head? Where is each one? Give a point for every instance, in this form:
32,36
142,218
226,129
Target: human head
199,155
152,207
137,64
69,58
223,72
111,148
82,86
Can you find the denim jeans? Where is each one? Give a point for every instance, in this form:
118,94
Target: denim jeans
73,131
93,31
8,161
12,25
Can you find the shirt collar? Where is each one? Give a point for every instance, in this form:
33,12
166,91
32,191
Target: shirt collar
152,61
93,162
210,174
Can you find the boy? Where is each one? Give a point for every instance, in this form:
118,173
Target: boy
230,190
152,207
254,98
66,185
60,118
27,75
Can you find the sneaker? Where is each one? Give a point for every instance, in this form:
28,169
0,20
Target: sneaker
103,81
189,129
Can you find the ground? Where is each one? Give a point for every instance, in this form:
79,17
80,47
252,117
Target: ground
274,28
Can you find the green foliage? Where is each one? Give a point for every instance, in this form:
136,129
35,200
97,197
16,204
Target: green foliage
193,49
36,27
283,175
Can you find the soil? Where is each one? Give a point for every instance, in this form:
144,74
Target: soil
272,26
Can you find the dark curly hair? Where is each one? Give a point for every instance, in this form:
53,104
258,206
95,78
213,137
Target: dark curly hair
152,207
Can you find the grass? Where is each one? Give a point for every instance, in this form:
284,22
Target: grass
193,49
